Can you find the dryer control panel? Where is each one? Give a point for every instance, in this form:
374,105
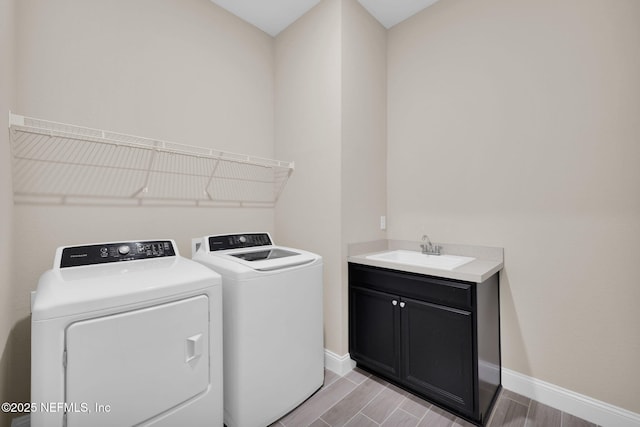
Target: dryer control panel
75,256
236,241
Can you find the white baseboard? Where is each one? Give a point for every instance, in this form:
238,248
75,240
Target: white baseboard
582,406
341,365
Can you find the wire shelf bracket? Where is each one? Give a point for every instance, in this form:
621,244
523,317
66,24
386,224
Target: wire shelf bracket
68,164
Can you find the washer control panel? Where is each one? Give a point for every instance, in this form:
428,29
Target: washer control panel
235,241
75,256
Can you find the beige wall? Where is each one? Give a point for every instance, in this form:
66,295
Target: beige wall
330,118
509,124
6,99
183,71
364,143
515,124
308,130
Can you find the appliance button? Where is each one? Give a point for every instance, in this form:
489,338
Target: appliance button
123,250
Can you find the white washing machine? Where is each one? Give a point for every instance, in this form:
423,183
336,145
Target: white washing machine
126,333
273,339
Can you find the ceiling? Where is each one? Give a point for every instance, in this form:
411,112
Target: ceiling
273,16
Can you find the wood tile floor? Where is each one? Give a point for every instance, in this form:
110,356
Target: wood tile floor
362,400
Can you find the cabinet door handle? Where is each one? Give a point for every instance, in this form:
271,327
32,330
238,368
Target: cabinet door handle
402,304
394,302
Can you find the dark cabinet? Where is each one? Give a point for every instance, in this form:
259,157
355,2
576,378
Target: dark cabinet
438,338
437,352
376,329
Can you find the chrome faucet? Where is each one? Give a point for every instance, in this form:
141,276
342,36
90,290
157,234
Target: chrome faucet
429,248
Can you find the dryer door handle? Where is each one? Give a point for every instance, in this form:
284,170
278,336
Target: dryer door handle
194,349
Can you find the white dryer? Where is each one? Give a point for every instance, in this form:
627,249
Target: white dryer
273,333
126,333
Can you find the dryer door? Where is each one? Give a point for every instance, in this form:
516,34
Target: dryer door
127,368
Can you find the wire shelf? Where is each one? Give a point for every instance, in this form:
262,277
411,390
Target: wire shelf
62,163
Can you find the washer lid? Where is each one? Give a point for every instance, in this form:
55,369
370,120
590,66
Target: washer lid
238,253
269,258
272,253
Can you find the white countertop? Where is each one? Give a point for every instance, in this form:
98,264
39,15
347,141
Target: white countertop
488,260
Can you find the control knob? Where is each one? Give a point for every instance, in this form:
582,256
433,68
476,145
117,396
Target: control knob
242,239
124,249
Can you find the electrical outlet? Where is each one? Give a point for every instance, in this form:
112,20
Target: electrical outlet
383,222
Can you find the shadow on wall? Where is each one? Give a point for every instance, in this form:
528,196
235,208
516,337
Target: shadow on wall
510,330
15,368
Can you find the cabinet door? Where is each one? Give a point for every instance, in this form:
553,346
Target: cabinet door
374,337
437,352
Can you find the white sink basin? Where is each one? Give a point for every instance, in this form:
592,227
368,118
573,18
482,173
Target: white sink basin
441,262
